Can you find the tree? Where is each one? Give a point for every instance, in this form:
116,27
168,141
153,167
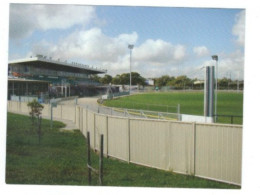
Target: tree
162,81
36,111
116,80
223,83
124,79
171,82
182,82
137,79
106,79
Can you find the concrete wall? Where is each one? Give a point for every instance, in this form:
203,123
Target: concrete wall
211,151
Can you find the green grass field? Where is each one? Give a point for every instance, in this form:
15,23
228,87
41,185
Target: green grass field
229,103
60,159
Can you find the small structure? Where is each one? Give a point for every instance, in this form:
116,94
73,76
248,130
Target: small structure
209,91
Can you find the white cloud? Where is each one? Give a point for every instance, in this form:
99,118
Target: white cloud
26,18
159,52
201,51
90,45
94,47
239,28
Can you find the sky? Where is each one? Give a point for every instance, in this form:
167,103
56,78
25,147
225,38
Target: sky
167,40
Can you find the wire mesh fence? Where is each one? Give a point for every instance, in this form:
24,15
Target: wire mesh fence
229,119
145,106
133,113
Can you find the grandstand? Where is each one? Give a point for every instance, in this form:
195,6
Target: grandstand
43,76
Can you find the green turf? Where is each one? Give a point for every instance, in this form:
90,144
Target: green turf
60,159
229,103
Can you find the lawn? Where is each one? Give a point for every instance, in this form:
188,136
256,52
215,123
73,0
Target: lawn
60,159
229,103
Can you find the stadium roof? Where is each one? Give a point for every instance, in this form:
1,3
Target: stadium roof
44,61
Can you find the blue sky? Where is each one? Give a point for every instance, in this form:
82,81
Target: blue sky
173,41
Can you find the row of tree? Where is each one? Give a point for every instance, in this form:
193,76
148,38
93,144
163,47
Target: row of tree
179,82
183,82
122,79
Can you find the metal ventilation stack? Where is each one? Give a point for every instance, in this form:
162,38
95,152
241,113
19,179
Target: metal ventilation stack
209,91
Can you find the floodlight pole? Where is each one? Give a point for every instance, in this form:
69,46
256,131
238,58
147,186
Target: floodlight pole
130,47
215,57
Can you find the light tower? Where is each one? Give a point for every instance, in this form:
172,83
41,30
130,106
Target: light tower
130,47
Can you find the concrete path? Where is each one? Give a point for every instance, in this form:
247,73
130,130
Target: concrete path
69,124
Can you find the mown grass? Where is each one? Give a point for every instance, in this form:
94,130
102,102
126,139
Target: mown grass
60,159
229,103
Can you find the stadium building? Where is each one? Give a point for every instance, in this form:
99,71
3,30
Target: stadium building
45,78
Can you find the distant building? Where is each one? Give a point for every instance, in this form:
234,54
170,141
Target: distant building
149,82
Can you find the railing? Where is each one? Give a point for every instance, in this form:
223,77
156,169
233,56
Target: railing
148,107
113,95
232,119
42,71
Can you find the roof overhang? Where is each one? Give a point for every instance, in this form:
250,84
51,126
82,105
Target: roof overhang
44,60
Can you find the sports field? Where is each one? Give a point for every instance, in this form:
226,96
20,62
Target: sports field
229,103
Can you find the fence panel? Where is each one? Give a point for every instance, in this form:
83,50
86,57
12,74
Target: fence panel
181,144
24,108
118,146
149,143
100,128
68,112
14,106
81,119
84,122
219,152
91,127
77,110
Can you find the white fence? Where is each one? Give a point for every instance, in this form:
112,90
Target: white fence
212,151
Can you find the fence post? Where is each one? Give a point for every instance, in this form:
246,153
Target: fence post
88,160
101,160
231,119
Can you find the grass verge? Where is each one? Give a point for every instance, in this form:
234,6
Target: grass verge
60,159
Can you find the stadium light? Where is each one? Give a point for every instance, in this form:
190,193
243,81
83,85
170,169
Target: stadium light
130,47
215,57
